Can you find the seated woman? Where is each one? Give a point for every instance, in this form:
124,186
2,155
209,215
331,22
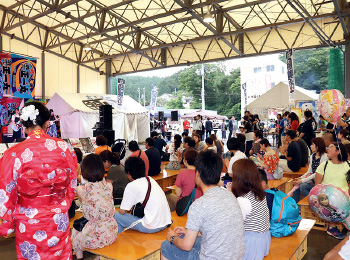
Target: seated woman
101,143
174,163
258,135
334,171
157,213
270,159
185,180
199,144
219,145
115,175
344,136
98,208
306,182
246,186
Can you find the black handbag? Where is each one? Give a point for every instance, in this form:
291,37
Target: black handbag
80,223
184,203
139,208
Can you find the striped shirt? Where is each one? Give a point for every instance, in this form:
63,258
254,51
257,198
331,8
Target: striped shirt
258,220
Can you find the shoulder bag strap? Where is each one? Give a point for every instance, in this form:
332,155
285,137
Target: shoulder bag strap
139,153
324,169
148,193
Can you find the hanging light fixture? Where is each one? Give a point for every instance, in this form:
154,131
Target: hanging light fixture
208,17
87,46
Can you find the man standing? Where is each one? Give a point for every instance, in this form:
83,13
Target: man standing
230,126
212,234
283,125
186,124
208,127
309,128
197,125
159,144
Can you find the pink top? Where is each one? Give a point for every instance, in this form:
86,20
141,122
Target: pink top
185,181
144,157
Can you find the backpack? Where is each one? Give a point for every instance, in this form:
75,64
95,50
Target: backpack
285,216
184,203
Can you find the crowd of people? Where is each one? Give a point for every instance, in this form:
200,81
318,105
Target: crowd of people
230,215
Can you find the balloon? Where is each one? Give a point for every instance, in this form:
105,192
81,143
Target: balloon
329,202
331,105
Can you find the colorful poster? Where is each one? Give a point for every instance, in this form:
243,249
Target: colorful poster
121,87
17,75
8,106
290,73
307,105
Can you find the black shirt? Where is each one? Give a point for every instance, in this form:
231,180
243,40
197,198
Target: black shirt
154,161
248,126
309,129
294,151
159,143
269,200
304,152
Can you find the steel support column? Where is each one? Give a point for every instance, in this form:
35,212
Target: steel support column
1,43
347,68
43,75
78,78
108,76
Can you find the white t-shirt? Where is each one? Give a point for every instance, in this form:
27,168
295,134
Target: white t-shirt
213,148
157,211
238,155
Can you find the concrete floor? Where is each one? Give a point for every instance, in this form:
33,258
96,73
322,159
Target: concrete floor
319,243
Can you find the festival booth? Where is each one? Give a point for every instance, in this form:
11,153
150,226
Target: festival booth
277,98
78,115
205,114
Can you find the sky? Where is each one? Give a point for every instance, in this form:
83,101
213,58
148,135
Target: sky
230,64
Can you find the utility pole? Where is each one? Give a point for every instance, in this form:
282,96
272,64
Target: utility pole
203,101
138,91
144,97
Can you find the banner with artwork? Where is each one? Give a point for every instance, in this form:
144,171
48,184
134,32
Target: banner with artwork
153,99
307,105
290,73
17,75
8,106
121,87
244,88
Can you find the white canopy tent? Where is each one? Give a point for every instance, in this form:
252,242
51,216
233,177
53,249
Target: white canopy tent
130,121
278,98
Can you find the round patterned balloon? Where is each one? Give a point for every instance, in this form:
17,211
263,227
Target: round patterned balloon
331,105
329,202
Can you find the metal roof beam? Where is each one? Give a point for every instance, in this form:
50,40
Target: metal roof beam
225,34
33,18
341,20
96,30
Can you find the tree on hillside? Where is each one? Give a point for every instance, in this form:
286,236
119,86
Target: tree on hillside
176,103
311,68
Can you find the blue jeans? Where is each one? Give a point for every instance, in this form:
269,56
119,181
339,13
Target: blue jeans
172,252
304,188
125,220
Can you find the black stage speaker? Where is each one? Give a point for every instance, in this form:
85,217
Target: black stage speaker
161,115
106,116
175,115
109,134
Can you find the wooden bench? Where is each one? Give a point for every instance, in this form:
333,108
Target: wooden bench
297,174
291,247
307,212
132,244
285,184
166,177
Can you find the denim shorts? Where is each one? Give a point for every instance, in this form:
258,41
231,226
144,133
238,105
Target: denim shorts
172,252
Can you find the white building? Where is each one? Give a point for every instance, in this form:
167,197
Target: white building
260,75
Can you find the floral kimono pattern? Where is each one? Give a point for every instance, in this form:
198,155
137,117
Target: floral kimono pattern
37,186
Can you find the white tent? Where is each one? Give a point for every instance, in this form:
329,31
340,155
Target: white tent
130,121
278,98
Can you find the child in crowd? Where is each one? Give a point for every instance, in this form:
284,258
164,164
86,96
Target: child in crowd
247,185
156,212
98,208
270,159
210,145
258,135
115,174
219,145
173,158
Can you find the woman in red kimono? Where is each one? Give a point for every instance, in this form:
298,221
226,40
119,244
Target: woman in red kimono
37,186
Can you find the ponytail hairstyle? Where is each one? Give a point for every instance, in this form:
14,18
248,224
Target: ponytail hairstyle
34,114
177,141
107,155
